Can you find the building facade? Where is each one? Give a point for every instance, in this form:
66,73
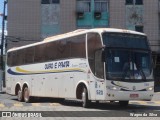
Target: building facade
33,20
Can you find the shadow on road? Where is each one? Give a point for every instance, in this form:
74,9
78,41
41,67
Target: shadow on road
94,105
112,106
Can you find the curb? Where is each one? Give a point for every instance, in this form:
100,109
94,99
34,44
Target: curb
27,104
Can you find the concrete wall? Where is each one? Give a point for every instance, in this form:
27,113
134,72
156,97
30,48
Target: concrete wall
151,23
67,15
24,20
150,19
117,14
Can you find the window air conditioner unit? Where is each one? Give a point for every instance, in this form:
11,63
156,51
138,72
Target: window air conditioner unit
80,15
97,15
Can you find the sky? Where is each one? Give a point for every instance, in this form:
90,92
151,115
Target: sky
1,11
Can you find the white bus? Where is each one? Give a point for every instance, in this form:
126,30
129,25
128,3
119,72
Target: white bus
102,64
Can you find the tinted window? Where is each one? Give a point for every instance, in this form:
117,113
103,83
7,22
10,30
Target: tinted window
14,58
125,64
20,57
99,65
40,53
93,44
51,51
9,58
29,55
62,49
77,46
73,47
125,40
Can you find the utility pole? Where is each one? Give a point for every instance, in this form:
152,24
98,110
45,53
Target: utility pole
2,39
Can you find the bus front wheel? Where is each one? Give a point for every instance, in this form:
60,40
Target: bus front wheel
27,97
85,101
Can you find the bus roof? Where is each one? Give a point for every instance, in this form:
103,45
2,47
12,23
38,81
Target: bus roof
77,32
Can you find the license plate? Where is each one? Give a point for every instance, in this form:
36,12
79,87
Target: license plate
134,95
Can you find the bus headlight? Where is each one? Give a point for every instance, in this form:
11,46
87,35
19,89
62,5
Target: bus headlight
113,88
149,88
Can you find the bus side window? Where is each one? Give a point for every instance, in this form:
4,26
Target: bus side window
9,59
62,49
14,58
21,57
93,43
99,68
77,46
40,56
51,51
29,55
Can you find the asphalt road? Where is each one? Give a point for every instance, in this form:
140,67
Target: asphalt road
73,109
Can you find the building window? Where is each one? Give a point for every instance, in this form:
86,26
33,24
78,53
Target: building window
45,2
55,1
50,1
139,2
83,5
101,5
134,2
139,28
129,2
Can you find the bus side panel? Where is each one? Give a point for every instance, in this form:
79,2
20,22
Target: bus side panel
51,85
66,85
10,85
38,85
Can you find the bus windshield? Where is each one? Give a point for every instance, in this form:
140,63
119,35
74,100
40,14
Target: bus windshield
129,59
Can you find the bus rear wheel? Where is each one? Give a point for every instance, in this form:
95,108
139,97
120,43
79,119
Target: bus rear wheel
20,96
27,97
123,103
85,101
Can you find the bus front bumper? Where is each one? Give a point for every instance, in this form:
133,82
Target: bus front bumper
129,95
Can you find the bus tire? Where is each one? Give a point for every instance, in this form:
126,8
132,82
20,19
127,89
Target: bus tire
27,98
85,101
20,96
123,103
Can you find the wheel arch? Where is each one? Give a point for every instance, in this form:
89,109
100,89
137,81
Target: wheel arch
25,85
79,88
17,87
